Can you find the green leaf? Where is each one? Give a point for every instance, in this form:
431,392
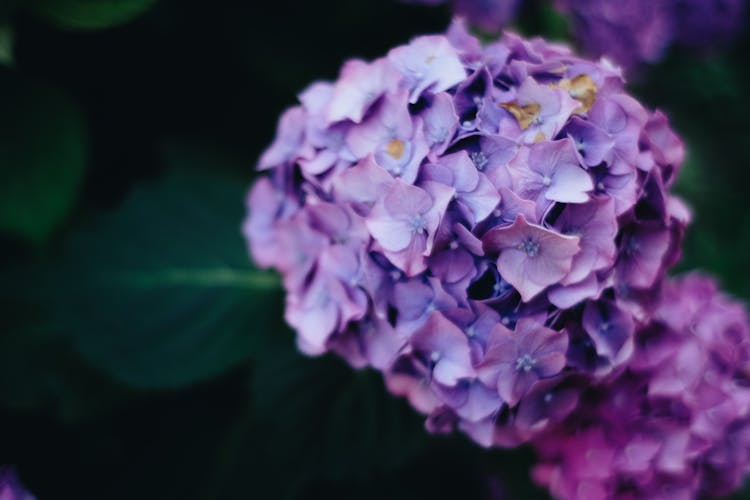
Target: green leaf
554,25
161,293
330,421
43,151
39,370
540,19
6,44
319,429
89,14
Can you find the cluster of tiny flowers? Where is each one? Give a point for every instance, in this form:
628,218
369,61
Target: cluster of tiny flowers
628,31
676,424
10,486
480,223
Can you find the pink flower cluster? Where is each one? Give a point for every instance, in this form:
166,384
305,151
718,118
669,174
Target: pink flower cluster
676,423
488,226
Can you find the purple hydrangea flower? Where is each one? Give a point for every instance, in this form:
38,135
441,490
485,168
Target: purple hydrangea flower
486,225
551,171
475,194
442,346
359,85
676,425
639,31
704,22
428,62
595,224
630,32
404,221
531,258
393,136
609,328
515,360
10,486
540,111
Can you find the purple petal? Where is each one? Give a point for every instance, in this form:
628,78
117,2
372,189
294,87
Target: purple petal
644,247
608,326
531,257
359,85
513,384
392,234
289,141
665,145
568,296
570,184
452,265
315,316
480,404
447,347
364,183
465,175
482,201
501,350
411,260
592,143
440,122
596,224
428,62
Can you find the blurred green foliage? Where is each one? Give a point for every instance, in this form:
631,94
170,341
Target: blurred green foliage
6,44
89,14
141,355
43,149
173,293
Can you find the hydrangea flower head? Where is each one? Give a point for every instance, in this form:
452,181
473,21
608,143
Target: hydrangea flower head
629,32
483,224
636,31
677,423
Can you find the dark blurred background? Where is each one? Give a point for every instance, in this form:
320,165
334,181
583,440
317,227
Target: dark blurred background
140,354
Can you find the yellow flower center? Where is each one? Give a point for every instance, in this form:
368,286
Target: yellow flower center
395,148
581,88
526,115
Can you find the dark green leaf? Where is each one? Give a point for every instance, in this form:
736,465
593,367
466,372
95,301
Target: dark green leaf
541,19
43,149
89,14
6,44
553,24
319,429
39,370
161,293
334,423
